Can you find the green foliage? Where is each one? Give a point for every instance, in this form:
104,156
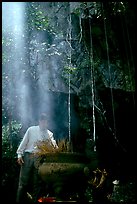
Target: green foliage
9,136
9,162
9,143
37,18
119,7
70,69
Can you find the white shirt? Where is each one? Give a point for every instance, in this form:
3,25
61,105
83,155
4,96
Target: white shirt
33,135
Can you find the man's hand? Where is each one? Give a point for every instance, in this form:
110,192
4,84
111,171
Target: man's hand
20,161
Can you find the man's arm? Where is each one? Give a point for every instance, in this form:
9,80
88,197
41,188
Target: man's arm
53,140
23,144
22,147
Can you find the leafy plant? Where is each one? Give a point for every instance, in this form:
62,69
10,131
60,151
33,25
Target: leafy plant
9,168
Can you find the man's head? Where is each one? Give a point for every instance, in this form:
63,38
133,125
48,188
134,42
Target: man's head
43,121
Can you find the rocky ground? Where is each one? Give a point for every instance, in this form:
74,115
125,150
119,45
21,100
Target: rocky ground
122,192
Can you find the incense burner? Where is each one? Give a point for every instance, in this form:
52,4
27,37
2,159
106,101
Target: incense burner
66,173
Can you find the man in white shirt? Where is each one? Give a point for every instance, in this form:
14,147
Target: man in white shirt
26,157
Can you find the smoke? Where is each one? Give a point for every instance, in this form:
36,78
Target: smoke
35,70
13,28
